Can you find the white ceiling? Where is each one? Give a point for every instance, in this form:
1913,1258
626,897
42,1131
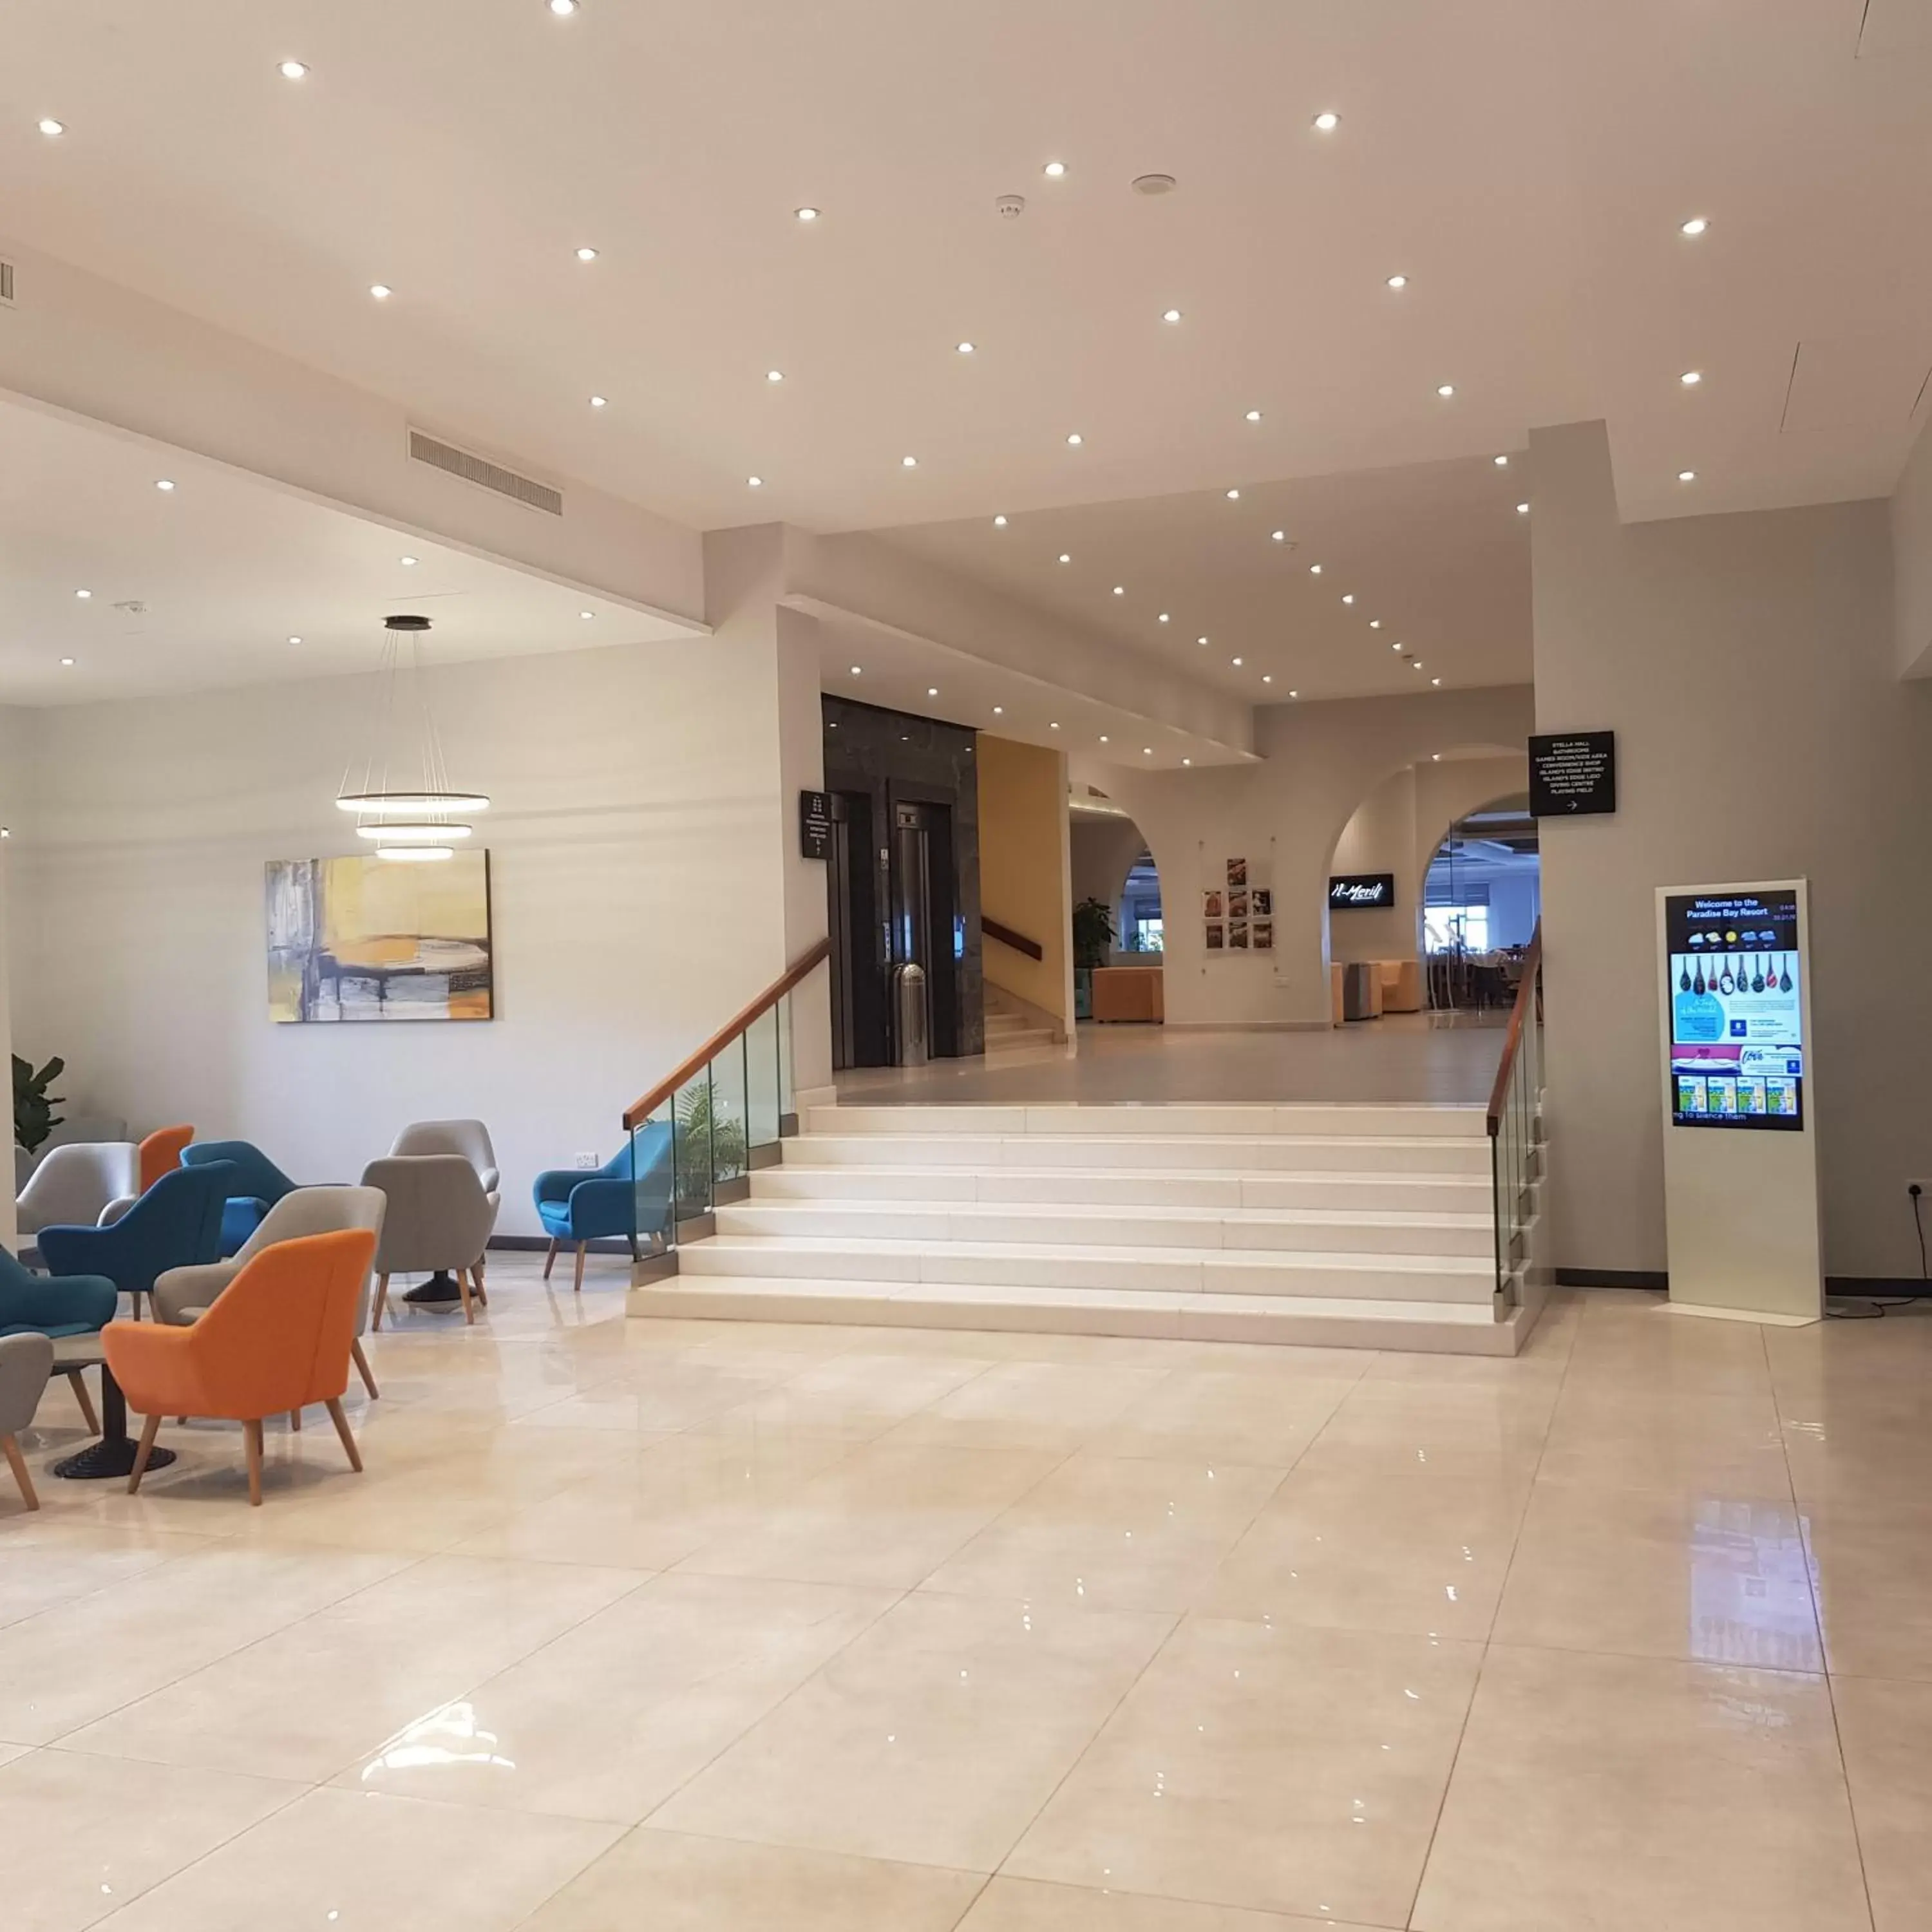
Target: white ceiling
228,569
1435,556
1526,166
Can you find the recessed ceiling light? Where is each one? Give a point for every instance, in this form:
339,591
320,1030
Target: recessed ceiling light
1163,617
1327,122
1233,496
1104,738
381,291
1253,416
164,483
1445,389
1053,170
1415,664
1074,441
292,70
999,523
560,7
856,669
1065,557
1146,751
774,375
1398,281
600,402
1236,662
1348,597
1294,693
1695,225
586,254
50,128
1267,677
1691,378
408,563
932,691
1120,590
1279,536
66,661
963,348
1522,509
1687,476
1396,646
1187,761
1053,725
755,482
295,640
999,711
806,214
908,463
1315,570
1436,757
1375,623
1200,641
587,615
1501,462
1436,680
83,593
1170,315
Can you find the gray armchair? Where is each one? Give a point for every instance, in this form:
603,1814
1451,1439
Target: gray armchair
26,1361
438,1221
184,1294
470,1139
74,1186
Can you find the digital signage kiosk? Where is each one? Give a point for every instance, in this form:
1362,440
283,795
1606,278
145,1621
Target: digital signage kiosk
1740,1142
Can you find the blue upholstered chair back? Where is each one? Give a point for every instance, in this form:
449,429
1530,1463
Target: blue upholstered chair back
177,1223
255,1176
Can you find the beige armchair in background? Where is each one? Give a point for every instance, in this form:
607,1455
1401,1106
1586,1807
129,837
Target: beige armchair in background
75,1185
182,1295
439,1220
26,1362
470,1139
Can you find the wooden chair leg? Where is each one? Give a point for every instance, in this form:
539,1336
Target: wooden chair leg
361,1362
149,1429
341,1421
251,1437
295,1421
18,1464
577,1284
463,1289
382,1300
78,1383
549,1259
476,1287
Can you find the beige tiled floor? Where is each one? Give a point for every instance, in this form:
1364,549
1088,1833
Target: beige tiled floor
702,1627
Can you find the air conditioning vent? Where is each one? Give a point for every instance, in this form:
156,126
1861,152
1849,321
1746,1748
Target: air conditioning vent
484,474
7,284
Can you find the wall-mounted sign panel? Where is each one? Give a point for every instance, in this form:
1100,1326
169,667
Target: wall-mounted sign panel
1356,892
1737,1011
1572,774
1740,1134
814,824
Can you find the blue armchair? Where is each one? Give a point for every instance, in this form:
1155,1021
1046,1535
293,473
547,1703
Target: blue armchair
177,1223
578,1208
56,1305
258,1184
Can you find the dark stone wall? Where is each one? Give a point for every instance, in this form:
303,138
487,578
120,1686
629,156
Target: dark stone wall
895,758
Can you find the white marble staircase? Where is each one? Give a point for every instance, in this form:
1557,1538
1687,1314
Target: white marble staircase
1364,1226
1010,1027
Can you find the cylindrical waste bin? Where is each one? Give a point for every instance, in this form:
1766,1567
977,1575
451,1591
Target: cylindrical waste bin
1358,993
909,1035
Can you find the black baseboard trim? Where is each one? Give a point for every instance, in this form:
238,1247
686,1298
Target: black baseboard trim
1587,1277
1878,1288
526,1244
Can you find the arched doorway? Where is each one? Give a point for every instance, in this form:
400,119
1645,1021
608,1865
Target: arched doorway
1114,880
1482,897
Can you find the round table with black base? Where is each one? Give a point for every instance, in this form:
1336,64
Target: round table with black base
113,1455
438,1292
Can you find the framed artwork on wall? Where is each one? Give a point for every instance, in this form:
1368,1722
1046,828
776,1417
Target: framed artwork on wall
361,938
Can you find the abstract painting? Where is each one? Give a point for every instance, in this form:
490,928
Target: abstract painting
366,939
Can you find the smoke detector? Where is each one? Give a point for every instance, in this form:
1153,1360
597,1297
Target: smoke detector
1011,206
134,607
1154,184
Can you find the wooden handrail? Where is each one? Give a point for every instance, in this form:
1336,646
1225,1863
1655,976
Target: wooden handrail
1525,1001
1007,936
640,1111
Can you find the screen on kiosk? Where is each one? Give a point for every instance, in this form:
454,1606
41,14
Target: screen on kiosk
1737,1034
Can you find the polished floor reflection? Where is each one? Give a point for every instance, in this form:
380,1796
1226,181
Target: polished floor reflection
706,1626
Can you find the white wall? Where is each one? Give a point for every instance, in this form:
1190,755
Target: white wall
1284,814
1912,559
1747,664
13,790
636,834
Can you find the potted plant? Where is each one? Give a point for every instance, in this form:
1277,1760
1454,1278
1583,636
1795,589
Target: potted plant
1093,939
34,1115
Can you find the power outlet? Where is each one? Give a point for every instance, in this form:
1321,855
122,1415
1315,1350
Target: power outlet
588,1161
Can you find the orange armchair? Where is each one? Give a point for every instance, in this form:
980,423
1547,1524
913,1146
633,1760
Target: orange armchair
277,1338
160,1154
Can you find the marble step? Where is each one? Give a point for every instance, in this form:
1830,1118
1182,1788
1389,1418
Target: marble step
1292,1153
859,1262
1375,1193
1165,1122
1431,1327
1314,1230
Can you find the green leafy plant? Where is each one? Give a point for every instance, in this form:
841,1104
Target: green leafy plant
1093,933
708,1148
34,1115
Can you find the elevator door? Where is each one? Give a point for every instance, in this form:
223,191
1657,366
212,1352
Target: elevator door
859,1037
913,939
